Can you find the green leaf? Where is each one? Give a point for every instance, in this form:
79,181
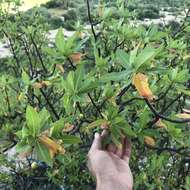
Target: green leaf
25,78
43,153
182,76
23,147
44,116
173,131
116,76
145,56
70,139
61,158
116,135
79,75
33,120
57,127
127,130
123,58
186,92
150,132
60,41
88,86
133,55
25,132
70,82
96,123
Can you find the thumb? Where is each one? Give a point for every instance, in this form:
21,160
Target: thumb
97,144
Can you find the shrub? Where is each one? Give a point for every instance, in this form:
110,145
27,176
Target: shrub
134,80
70,15
53,4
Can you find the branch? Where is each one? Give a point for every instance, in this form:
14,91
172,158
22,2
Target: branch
154,111
71,63
123,104
90,20
97,108
8,101
178,151
27,51
12,49
182,27
49,103
170,104
164,94
119,96
92,25
38,54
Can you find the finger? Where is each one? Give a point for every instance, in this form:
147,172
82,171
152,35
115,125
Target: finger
119,152
127,150
111,148
104,133
96,145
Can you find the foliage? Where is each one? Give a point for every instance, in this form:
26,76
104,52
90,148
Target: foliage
131,79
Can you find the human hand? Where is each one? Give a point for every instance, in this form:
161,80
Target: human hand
110,166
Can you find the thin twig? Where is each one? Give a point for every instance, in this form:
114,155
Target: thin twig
157,114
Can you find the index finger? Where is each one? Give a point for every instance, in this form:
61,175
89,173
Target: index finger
127,150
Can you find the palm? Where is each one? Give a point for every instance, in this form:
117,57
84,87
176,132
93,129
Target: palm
112,161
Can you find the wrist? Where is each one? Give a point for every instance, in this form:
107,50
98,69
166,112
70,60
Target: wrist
111,183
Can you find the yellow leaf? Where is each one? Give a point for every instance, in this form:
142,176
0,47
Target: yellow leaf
160,124
140,81
183,115
149,141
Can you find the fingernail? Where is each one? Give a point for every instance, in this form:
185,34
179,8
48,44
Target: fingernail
96,135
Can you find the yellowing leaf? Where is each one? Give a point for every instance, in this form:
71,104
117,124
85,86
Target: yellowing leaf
45,83
68,127
53,146
37,85
52,153
112,100
183,115
104,126
149,141
160,124
101,8
140,81
25,154
76,57
186,57
21,96
97,123
60,67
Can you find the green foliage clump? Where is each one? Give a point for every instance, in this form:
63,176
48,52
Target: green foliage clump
55,98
